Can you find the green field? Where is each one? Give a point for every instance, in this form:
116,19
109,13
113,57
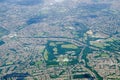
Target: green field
38,63
69,46
104,55
58,53
46,55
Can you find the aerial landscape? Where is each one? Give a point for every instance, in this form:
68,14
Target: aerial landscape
59,39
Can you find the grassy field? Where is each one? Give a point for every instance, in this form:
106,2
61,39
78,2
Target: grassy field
99,44
52,44
69,46
46,55
38,63
104,55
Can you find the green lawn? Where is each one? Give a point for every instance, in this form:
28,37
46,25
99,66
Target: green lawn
38,63
104,55
46,55
69,46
